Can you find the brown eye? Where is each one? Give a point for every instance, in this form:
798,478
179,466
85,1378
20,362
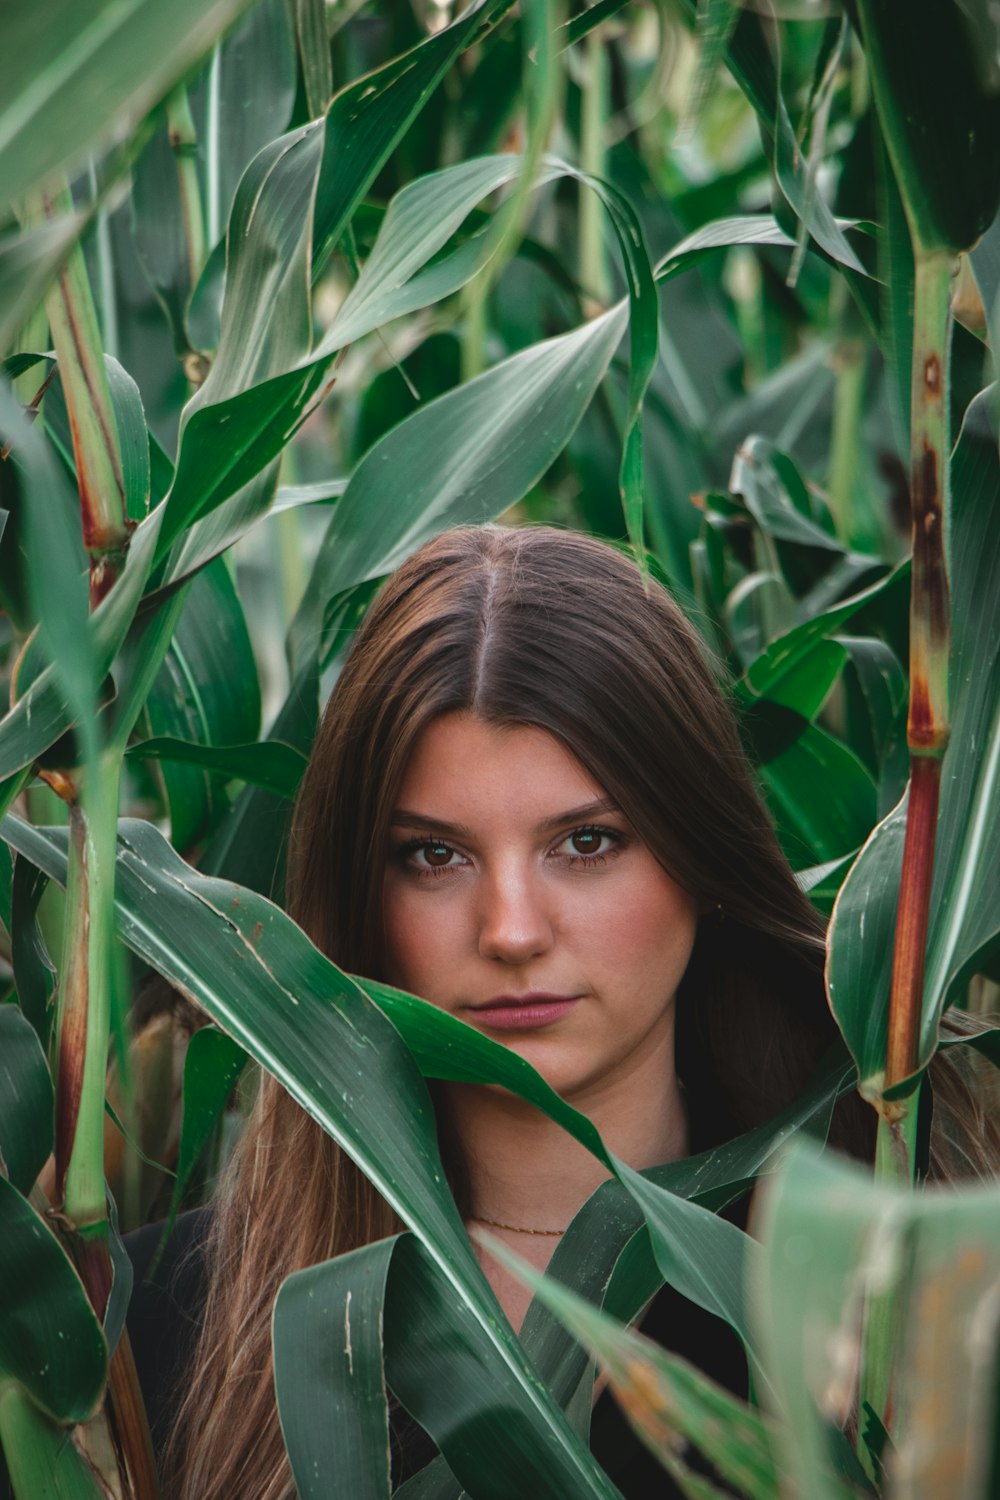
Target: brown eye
586,841
436,855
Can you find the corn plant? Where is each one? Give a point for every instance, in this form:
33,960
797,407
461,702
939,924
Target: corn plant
589,266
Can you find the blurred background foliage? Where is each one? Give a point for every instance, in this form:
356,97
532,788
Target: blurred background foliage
727,183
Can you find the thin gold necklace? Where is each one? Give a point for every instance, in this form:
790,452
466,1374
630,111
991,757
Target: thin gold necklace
514,1228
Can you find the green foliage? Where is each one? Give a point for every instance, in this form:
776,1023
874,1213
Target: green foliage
316,290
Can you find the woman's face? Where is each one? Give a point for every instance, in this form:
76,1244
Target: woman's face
518,898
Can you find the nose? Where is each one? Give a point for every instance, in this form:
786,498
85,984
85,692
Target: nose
515,924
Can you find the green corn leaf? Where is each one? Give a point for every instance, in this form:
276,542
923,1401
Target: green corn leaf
140,659
44,1307
121,1279
750,58
43,1460
71,73
344,154
133,439
815,829
29,261
796,178
421,219
830,59
882,698
445,1382
250,841
966,927
369,115
580,26
270,764
388,1301
235,109
57,588
434,1481
42,713
861,937
418,223
314,54
227,435
984,260
722,234
663,1396
266,313
804,689
785,656
704,1257
939,115
158,229
206,693
795,397
328,1375
254,61
226,523
291,496
830,1234
34,971
26,1100
764,479
985,1040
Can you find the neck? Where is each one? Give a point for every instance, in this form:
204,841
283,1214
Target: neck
525,1170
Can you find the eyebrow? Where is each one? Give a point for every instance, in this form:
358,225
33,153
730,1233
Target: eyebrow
404,817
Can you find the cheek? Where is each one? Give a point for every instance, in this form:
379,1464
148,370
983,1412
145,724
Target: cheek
655,926
416,943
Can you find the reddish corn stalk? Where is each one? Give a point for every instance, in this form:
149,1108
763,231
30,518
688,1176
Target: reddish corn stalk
127,1415
131,1425
911,921
928,726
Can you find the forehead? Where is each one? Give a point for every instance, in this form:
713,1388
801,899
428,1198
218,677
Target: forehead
463,768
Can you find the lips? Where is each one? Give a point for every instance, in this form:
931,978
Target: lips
526,1012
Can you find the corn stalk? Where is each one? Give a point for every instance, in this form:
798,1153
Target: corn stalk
184,144
77,342
928,724
91,791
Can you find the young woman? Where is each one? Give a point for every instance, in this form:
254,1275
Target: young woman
529,805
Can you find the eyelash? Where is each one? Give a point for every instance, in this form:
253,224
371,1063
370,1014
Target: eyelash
577,861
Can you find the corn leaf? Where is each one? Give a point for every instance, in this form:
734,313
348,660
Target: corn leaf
70,73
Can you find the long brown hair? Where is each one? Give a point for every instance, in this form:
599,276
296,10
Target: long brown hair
558,631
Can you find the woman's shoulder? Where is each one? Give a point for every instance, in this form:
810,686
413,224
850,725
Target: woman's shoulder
168,1297
186,1239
